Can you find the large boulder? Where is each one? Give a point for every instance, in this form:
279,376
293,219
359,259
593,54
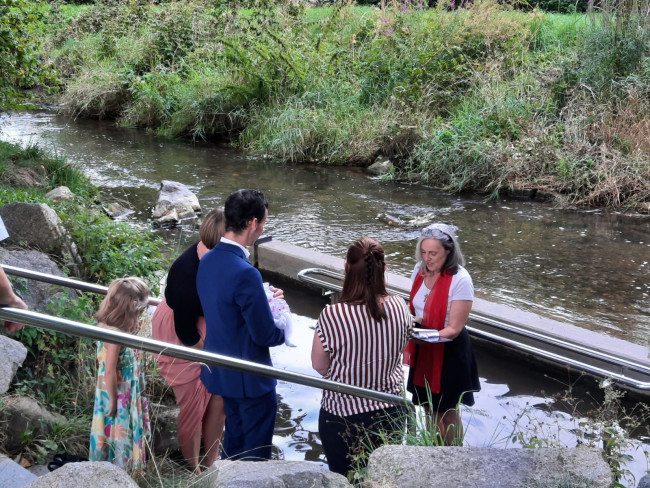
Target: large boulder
415,467
116,210
37,225
22,415
381,167
273,474
12,355
86,475
26,177
36,294
177,201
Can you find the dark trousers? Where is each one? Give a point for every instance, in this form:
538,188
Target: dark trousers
348,441
249,427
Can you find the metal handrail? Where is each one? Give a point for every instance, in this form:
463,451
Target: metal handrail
62,280
641,385
159,347
304,275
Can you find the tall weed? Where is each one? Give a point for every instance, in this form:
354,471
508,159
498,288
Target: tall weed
480,98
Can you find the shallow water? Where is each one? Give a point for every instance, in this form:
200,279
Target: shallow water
591,269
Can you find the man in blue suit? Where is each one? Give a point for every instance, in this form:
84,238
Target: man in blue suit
239,324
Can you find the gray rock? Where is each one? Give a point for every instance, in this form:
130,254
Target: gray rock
13,475
380,167
272,474
12,355
115,210
60,194
644,482
170,219
36,294
178,197
24,414
37,225
415,467
28,177
38,469
164,428
86,475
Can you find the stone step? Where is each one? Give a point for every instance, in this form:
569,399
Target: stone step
13,475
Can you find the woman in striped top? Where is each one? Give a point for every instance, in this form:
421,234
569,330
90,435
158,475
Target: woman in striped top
359,341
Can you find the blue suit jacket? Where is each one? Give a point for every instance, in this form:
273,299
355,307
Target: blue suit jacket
238,320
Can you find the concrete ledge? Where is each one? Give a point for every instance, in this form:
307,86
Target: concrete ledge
287,260
554,328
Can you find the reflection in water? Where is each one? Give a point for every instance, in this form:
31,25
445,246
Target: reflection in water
588,268
492,422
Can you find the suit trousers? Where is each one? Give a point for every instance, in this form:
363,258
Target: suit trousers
249,427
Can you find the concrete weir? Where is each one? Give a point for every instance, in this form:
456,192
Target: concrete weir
516,332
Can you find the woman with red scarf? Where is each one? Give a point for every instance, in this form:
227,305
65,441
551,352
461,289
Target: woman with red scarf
442,375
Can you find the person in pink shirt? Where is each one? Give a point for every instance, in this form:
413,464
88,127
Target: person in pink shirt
179,320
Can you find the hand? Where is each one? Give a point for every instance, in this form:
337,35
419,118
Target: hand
277,292
112,407
13,326
16,302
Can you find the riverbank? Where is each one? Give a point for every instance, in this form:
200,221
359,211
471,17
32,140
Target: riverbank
74,362
483,99
59,371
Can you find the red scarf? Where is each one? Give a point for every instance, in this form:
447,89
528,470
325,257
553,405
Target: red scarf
428,368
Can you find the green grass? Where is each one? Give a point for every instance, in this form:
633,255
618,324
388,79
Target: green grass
484,98
51,171
59,370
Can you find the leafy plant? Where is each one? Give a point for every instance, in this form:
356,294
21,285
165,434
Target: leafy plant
113,250
19,53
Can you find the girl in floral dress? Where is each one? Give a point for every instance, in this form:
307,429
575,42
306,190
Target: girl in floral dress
120,425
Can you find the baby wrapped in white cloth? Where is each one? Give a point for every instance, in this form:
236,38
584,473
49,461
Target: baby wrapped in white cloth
281,315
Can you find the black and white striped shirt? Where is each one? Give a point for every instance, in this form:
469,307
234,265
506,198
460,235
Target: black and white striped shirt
364,352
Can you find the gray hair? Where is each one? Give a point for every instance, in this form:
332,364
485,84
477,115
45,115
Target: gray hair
446,234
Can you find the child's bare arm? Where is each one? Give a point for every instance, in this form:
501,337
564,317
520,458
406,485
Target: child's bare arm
110,376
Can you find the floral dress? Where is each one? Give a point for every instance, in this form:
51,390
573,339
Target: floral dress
121,439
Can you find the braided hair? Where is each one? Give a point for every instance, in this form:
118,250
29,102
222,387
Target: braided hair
364,282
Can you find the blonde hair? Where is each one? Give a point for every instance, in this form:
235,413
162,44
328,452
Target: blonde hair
125,300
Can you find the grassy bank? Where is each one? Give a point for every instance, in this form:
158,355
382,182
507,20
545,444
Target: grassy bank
482,98
60,370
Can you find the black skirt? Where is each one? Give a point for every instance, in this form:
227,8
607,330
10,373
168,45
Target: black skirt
458,381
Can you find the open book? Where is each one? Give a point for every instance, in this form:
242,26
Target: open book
428,335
